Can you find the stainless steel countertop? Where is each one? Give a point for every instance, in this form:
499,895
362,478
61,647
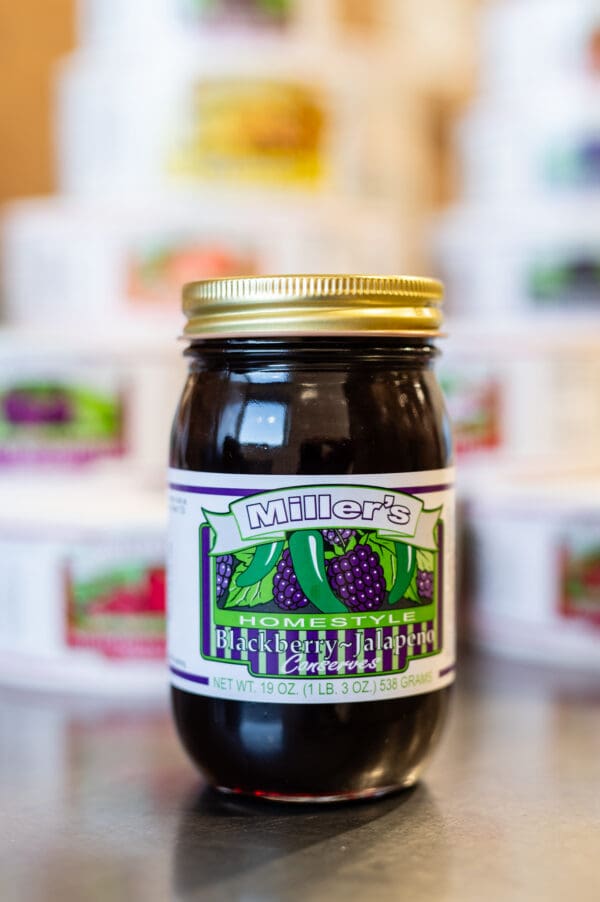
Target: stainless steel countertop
99,803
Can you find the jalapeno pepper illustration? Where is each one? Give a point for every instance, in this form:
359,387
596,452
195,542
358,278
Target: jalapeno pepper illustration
406,560
307,552
265,558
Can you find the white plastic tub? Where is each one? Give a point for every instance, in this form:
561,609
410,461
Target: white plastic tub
533,543
519,391
107,24
527,42
132,257
541,259
533,146
278,114
82,595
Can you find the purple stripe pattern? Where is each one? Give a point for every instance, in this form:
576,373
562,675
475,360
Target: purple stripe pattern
388,653
253,655
430,625
402,655
332,636
234,654
370,656
291,636
312,657
349,636
273,657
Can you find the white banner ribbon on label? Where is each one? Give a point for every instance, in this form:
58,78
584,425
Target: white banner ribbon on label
268,516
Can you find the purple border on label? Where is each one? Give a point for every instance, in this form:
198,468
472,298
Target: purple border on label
205,589
190,677
205,490
424,489
440,592
447,670
348,634
243,493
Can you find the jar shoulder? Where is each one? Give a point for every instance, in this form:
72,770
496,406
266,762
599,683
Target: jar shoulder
351,420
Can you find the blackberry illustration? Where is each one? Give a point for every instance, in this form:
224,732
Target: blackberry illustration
357,579
338,536
286,592
425,583
225,566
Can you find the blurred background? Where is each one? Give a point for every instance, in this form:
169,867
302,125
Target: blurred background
145,143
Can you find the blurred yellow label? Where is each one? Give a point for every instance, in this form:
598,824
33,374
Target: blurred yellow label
357,15
255,130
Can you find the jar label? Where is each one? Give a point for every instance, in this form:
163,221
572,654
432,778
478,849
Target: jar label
311,589
116,602
67,418
158,265
232,12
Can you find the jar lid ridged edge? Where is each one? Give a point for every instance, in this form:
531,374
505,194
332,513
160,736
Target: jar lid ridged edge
312,304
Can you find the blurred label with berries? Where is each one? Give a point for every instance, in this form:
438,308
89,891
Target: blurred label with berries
116,602
311,589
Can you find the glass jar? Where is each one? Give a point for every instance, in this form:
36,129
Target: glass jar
311,634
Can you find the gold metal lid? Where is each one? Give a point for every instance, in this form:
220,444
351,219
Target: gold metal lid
313,305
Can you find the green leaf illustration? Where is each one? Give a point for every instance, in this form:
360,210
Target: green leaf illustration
386,549
425,560
264,559
406,563
411,593
244,557
249,596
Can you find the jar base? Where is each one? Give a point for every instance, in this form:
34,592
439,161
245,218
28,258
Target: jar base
307,799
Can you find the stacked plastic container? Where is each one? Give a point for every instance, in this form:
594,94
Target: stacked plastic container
194,138
521,259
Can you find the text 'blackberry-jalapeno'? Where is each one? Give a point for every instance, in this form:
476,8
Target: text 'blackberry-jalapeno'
311,610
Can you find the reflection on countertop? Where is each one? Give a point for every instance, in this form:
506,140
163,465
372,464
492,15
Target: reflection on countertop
99,802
